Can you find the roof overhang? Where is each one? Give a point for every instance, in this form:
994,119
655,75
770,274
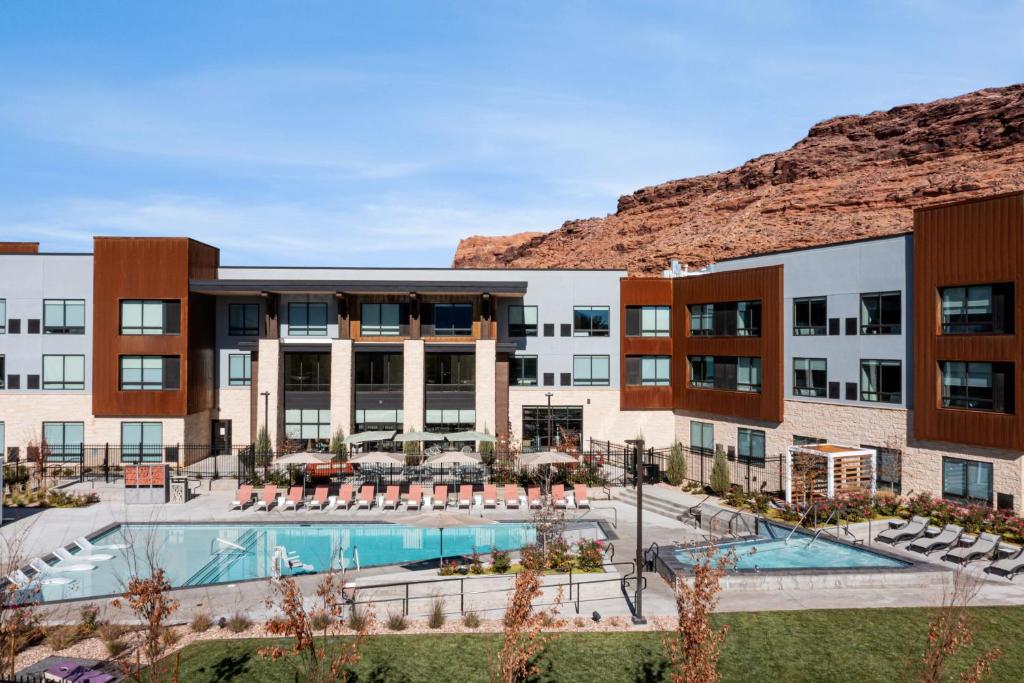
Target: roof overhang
250,287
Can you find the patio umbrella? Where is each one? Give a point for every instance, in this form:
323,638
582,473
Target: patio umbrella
453,458
470,436
303,458
377,458
363,437
547,458
419,436
442,521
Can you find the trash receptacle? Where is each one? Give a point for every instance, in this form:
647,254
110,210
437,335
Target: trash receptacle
180,491
652,474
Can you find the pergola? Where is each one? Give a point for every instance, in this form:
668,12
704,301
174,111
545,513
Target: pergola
828,469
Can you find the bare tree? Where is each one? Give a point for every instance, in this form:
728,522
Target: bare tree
808,472
523,639
19,614
149,599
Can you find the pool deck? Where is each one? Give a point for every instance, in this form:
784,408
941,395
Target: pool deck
41,533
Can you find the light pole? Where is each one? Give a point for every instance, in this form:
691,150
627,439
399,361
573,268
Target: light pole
638,612
549,395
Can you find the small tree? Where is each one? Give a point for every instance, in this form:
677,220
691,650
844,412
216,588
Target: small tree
150,601
264,451
720,478
549,522
338,447
523,641
676,465
487,449
808,473
19,616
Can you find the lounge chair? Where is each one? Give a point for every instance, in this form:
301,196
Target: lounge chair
558,496
391,498
294,499
533,495
984,546
440,497
414,500
344,500
21,580
42,568
581,494
466,496
1008,566
949,536
365,497
319,498
907,531
490,496
511,497
86,545
63,555
242,498
269,498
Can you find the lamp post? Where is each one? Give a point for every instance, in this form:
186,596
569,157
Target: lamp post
266,411
638,613
549,395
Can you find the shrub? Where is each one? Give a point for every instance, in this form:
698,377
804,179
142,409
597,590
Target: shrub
501,561
720,478
397,622
338,447
110,632
238,622
436,618
170,637
532,557
115,648
759,503
319,620
887,503
471,620
676,465
588,554
476,566
201,622
358,619
89,617
62,637
449,568
558,555
736,497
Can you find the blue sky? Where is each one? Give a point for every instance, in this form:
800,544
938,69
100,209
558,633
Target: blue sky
379,133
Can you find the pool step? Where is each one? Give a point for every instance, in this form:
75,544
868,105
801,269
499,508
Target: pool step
223,560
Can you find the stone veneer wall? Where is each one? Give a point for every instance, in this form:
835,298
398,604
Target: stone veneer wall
486,357
602,418
414,374
341,386
881,427
269,377
233,403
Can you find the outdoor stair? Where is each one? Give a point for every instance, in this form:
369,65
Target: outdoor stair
222,560
655,503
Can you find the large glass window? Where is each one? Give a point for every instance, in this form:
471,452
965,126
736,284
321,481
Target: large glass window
447,420
591,321
726,319
3,373
522,321
142,441
977,309
543,427
63,316
810,316
810,377
239,370
150,373
648,321
889,466
150,317
450,371
380,320
967,481
448,320
378,420
244,320
702,372
977,386
3,316
881,380
524,371
647,371
307,424
379,371
702,320
63,372
732,373
591,371
748,374
881,313
307,319
750,445
64,439
307,372
702,437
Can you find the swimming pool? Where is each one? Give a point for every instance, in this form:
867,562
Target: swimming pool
204,554
801,551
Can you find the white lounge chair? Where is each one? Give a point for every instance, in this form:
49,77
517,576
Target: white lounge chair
84,543
63,554
43,568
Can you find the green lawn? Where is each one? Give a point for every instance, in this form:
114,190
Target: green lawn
814,645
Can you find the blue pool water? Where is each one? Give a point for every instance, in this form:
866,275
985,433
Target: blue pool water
204,554
799,553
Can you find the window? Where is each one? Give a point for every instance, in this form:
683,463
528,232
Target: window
447,420
150,373
742,373
549,379
810,377
967,481
380,320
977,309
3,316
381,419
64,439
648,321
881,381
590,371
376,372
522,321
726,319
889,466
544,426
591,321
808,440
647,371
448,320
810,316
702,437
881,313
524,371
450,371
63,316
750,445
307,319
239,370
307,424
977,386
307,372
3,372
63,373
142,441
244,320
150,317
